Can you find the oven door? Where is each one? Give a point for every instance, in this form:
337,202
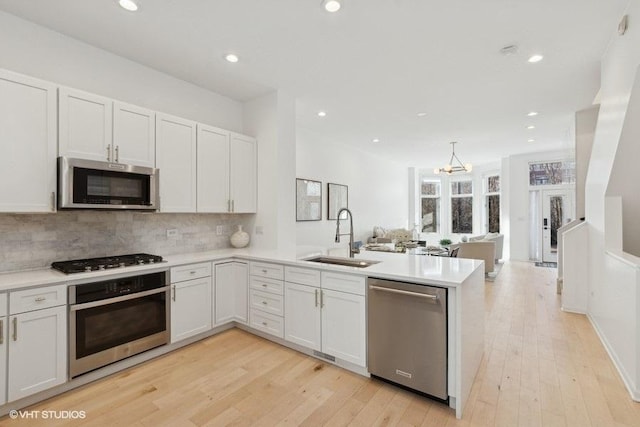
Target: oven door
106,331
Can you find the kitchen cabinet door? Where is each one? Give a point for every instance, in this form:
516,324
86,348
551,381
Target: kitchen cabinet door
37,351
213,169
190,308
231,289
176,159
344,326
85,125
4,321
134,135
243,167
28,132
302,315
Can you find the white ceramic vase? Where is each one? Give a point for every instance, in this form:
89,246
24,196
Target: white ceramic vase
240,238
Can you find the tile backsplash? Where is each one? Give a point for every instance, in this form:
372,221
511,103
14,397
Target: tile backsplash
35,241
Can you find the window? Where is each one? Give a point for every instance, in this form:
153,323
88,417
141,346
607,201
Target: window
462,207
492,204
430,206
552,173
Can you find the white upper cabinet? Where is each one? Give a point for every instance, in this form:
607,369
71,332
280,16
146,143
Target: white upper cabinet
98,128
28,138
85,125
134,135
176,159
213,169
227,171
243,166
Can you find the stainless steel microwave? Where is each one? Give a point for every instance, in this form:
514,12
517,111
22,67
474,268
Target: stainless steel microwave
89,184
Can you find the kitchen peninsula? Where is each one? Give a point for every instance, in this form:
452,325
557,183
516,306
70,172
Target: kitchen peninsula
264,289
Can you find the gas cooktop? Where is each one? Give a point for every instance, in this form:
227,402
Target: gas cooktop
94,264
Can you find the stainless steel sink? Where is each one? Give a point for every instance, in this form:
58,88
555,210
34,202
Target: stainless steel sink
349,262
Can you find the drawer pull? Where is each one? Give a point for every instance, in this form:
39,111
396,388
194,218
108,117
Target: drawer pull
264,302
265,323
264,285
264,271
40,299
15,329
192,272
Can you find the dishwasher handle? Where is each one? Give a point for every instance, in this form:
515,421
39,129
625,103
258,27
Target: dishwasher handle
401,292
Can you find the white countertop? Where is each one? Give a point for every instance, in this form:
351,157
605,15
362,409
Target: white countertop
439,271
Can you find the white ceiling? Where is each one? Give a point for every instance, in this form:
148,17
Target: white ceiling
373,65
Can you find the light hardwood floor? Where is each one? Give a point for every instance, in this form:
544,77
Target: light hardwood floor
542,367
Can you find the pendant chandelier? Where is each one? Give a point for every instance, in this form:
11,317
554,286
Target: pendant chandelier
452,167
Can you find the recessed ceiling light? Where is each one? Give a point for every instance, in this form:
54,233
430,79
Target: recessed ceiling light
532,113
531,140
129,5
375,140
531,127
535,58
322,114
230,57
422,114
331,5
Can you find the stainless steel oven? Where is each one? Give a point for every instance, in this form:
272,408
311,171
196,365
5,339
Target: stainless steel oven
114,319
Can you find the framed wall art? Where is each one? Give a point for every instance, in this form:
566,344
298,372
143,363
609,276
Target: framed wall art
338,198
308,200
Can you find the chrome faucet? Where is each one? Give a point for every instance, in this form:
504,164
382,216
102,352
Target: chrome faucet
352,250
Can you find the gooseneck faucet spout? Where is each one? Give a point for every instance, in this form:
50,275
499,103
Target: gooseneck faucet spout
352,250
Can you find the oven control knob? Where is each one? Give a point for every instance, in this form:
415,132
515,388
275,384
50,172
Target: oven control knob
87,268
140,261
151,260
101,267
122,264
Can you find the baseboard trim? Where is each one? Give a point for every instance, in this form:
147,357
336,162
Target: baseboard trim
626,378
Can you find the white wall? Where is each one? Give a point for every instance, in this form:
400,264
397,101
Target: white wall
515,200
271,119
608,288
30,49
378,189
585,124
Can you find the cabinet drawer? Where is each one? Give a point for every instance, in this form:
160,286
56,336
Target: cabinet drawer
36,299
270,271
3,305
266,322
303,276
191,271
265,301
269,285
343,282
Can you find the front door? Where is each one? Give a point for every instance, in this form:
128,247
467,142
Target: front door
557,210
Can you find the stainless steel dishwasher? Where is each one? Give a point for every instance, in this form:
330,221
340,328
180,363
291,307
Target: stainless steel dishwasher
407,335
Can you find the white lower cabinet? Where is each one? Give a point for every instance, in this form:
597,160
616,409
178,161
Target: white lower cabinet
4,321
324,318
191,303
231,289
302,315
37,351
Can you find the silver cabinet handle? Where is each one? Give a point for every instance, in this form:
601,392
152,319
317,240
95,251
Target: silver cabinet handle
173,288
321,299
192,272
401,292
108,152
53,201
264,285
117,153
228,205
1,331
40,299
264,271
264,302
265,323
15,329
233,205
316,291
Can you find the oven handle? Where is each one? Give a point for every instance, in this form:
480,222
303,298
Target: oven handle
76,307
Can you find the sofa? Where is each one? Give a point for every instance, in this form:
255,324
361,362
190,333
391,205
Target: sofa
484,250
491,237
